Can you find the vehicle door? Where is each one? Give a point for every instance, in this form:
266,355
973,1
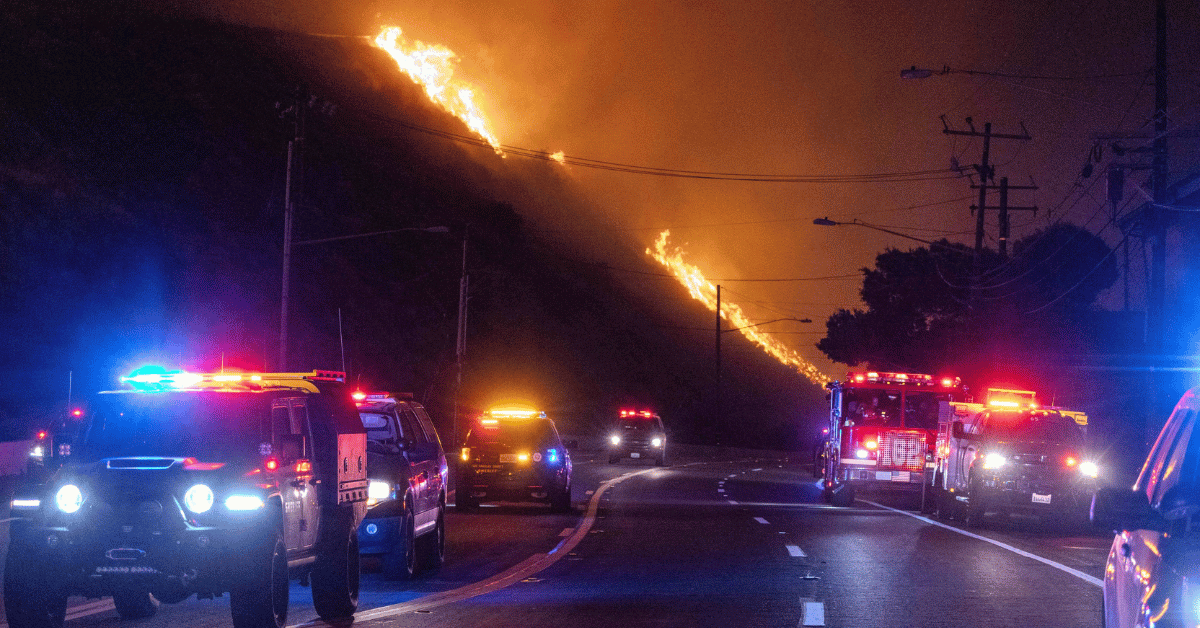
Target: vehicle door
437,464
291,445
416,451
1136,552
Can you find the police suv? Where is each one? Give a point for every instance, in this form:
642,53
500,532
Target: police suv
198,484
405,524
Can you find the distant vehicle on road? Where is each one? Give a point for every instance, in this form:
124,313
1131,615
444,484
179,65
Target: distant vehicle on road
1152,574
638,435
1009,455
514,454
882,428
405,523
198,484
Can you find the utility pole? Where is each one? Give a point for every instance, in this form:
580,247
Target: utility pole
294,171
1004,208
986,173
460,349
717,405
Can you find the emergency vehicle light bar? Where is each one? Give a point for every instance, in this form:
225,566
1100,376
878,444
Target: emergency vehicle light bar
184,379
644,413
912,379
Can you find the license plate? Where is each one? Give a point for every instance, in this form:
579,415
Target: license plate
635,455
508,457
1041,499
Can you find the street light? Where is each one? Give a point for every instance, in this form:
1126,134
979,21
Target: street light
826,222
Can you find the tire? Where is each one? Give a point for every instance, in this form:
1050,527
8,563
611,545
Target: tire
929,496
560,501
843,497
946,505
974,509
335,575
135,604
32,596
261,600
401,562
434,554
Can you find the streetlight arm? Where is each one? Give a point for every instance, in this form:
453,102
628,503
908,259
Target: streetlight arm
798,320
373,233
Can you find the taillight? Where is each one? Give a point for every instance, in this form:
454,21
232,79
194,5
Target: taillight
1070,461
466,454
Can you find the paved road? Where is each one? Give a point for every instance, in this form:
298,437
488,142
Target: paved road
718,543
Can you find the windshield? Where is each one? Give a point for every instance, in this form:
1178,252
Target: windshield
207,426
638,425
1045,427
873,407
512,434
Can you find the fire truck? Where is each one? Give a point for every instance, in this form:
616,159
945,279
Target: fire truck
882,430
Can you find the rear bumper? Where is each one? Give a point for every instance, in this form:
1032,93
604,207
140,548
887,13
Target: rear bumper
512,484
871,477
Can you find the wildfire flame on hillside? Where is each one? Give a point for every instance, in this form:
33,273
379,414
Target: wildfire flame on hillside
560,157
705,292
432,67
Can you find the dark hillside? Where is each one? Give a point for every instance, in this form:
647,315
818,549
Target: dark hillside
141,211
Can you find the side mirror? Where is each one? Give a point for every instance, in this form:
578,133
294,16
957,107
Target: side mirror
1123,509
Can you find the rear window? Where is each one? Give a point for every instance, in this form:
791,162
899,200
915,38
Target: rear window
378,427
536,433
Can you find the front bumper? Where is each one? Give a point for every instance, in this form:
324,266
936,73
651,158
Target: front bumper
872,477
379,532
172,564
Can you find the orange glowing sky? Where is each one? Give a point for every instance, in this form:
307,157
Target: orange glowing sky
788,87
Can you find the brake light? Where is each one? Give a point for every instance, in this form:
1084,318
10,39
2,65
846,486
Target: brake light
272,464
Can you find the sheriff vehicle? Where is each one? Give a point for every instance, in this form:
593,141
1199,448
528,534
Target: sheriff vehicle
638,435
514,454
198,484
405,523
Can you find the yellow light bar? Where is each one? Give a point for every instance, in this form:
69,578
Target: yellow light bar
1003,403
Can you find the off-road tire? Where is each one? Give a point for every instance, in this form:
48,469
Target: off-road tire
401,562
135,604
560,501
433,553
335,575
261,599
32,596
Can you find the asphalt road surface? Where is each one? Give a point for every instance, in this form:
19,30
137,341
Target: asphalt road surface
710,542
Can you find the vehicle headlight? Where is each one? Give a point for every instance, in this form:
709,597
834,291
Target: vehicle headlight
1090,469
657,442
378,490
862,453
244,502
198,499
994,461
614,439
69,498
37,452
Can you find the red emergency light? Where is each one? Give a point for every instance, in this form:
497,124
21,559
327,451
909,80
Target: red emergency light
77,412
637,413
41,435
905,379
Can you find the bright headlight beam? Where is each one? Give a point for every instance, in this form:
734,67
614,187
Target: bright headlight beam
198,499
1090,469
994,461
379,490
69,498
243,502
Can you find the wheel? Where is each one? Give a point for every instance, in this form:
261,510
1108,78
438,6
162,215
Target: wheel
435,544
843,496
560,501
135,604
401,562
974,509
335,574
32,596
261,600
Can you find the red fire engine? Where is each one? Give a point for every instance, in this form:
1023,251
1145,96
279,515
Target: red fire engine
882,427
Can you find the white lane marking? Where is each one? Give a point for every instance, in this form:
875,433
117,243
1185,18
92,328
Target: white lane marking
732,503
814,613
522,570
761,520
720,490
589,492
756,469
794,550
1020,552
566,532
